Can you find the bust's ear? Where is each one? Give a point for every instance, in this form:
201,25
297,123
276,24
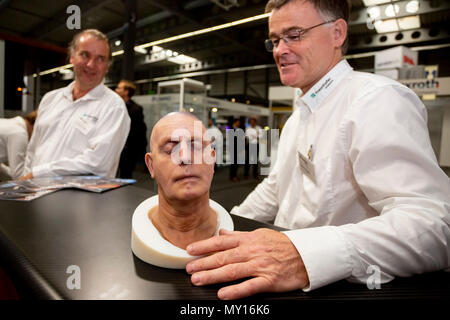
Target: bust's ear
149,163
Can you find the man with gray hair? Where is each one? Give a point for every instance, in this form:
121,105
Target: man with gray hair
356,180
82,128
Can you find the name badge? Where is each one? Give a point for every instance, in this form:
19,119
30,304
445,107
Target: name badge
83,124
307,167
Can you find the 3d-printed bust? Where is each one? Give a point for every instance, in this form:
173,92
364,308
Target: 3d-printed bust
181,160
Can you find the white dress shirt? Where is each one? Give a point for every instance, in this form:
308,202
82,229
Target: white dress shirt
376,195
13,146
85,136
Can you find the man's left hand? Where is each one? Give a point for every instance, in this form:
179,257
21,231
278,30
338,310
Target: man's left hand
267,256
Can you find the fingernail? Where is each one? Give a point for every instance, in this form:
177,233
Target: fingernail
189,248
196,279
223,294
189,268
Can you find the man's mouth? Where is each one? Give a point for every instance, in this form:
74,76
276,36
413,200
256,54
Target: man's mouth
90,73
286,64
185,177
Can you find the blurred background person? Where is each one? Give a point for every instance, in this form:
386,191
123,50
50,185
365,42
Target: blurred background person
233,148
252,134
81,128
14,136
136,144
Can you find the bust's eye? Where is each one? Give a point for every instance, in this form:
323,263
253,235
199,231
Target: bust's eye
168,147
196,145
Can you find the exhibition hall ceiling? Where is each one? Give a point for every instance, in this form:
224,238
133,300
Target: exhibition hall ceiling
374,24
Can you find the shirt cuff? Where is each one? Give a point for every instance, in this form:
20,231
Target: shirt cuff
42,170
325,253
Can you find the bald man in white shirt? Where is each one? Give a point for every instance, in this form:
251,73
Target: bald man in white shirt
356,179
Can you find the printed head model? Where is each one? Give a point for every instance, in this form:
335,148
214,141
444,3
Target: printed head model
181,160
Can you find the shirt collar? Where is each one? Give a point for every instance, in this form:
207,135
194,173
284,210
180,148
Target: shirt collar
314,97
94,93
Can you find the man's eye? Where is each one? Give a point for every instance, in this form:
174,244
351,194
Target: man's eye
275,41
293,37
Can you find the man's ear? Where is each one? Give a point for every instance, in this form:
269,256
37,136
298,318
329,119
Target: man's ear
149,163
340,32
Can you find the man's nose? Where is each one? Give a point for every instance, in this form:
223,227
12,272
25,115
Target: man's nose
185,153
282,48
91,63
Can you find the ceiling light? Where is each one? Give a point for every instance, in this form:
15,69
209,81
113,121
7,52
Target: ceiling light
117,43
182,59
156,49
140,50
374,12
214,109
392,10
369,3
412,6
406,23
386,25
191,109
154,44
169,53
117,53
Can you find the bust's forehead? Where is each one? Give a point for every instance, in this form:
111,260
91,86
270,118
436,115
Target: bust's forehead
183,122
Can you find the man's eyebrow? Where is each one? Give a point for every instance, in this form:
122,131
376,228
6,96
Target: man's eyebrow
273,34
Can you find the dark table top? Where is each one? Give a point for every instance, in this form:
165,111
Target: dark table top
40,239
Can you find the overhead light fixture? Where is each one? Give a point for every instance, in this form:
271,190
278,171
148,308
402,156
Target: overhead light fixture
206,30
383,26
140,50
406,23
392,10
412,6
156,49
214,109
117,43
369,3
191,109
182,59
117,53
374,12
174,38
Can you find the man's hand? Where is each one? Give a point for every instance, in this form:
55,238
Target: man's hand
28,176
267,256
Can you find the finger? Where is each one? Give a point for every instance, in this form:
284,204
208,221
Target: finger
223,232
216,260
226,273
214,244
244,289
